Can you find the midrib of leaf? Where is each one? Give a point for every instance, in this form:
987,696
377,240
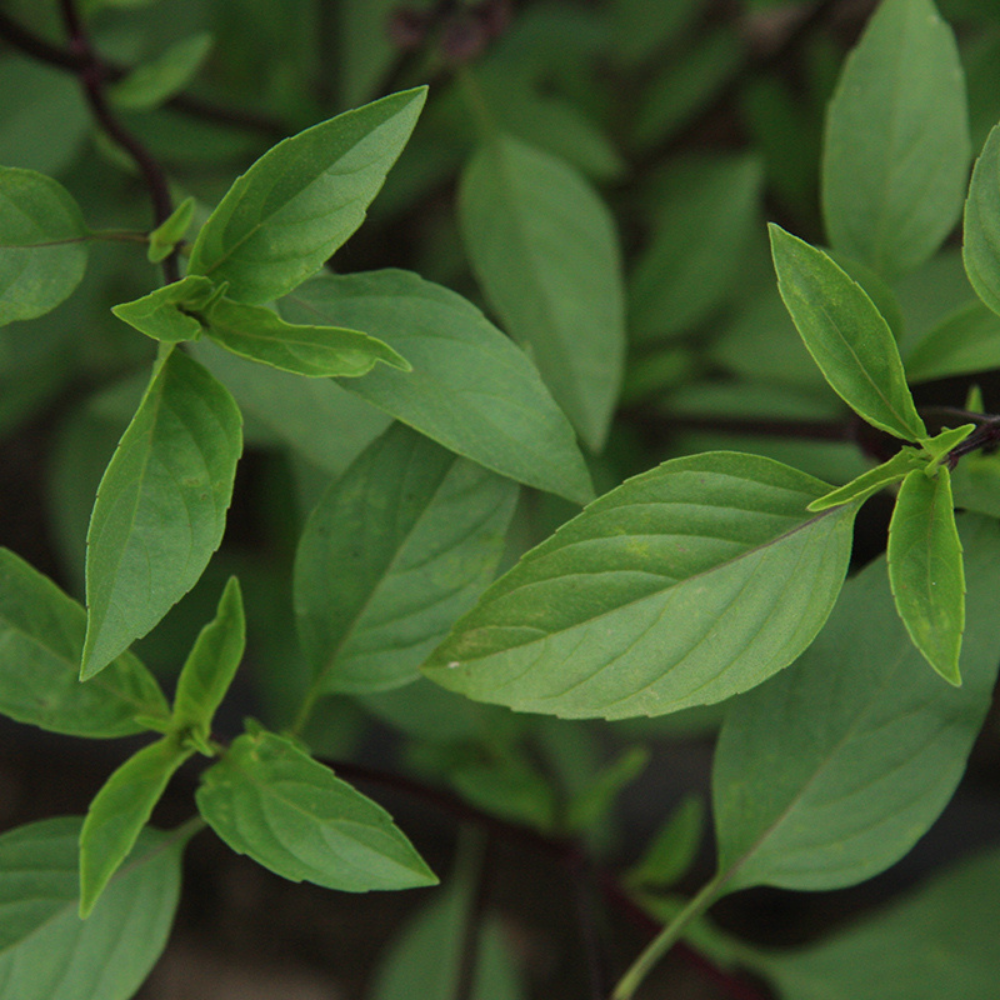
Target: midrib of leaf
45,243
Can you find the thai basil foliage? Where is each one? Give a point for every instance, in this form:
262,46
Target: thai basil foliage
435,569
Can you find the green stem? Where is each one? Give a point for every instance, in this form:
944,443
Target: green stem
665,940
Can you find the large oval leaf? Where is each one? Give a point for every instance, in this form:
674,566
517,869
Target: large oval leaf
41,641
981,252
268,799
544,247
471,389
897,146
829,773
302,200
46,951
161,506
684,586
396,550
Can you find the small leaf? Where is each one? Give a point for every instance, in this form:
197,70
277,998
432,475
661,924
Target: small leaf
966,341
269,800
48,952
829,773
211,666
508,785
846,335
259,334
41,639
302,200
165,237
673,849
869,483
897,146
154,82
395,551
544,247
167,314
161,506
471,389
938,446
593,804
981,250
686,585
43,253
925,569
119,812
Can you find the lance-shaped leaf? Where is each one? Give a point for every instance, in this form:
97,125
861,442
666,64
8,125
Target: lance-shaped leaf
897,148
870,482
259,334
46,951
674,848
161,506
846,335
43,253
165,237
302,200
938,941
211,666
686,585
471,389
981,250
397,549
119,812
544,247
925,569
269,800
829,773
41,640
168,313
154,82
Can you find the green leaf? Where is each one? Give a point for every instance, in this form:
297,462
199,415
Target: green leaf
936,941
829,773
981,249
471,389
397,549
544,247
925,569
154,82
259,334
302,200
637,28
161,506
706,219
941,444
168,313
684,586
976,484
165,237
596,801
211,666
46,951
674,848
43,253
119,812
966,341
897,150
41,639
846,335
869,483
508,785
269,800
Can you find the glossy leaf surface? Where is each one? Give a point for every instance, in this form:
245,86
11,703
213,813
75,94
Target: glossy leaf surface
269,800
471,389
302,200
119,811
397,549
897,150
925,569
259,334
687,584
545,250
42,250
46,951
846,335
161,506
829,773
41,640
212,664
